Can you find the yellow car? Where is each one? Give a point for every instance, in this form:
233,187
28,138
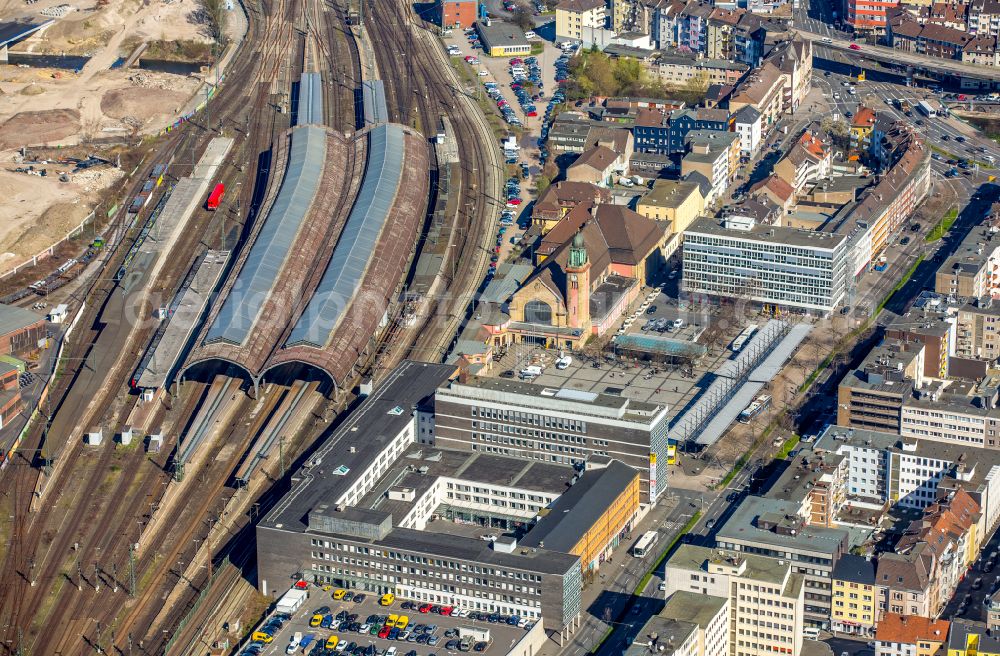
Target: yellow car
316,619
331,642
260,636
327,588
338,594
391,622
402,622
387,599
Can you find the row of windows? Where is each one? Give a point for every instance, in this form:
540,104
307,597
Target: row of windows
423,573
530,419
421,560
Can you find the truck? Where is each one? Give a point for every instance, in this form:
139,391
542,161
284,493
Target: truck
291,601
215,197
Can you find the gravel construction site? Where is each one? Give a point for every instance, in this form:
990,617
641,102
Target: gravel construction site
96,106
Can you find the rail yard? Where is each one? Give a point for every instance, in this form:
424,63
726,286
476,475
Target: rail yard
114,542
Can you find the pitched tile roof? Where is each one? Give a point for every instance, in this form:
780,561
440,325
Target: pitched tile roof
907,629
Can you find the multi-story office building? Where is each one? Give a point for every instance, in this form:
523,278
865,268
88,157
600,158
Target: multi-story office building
524,420
913,473
872,396
775,529
591,518
766,597
373,509
772,265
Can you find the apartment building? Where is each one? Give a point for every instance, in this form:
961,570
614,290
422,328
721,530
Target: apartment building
775,266
868,15
564,426
713,154
856,597
977,332
580,20
677,202
888,205
651,131
766,597
984,18
683,121
967,638
721,36
775,529
678,70
688,625
973,270
762,89
934,330
910,635
817,480
807,161
747,122
871,397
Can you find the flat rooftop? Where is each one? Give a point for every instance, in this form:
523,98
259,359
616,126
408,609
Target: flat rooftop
692,557
742,527
770,234
14,319
982,460
591,404
692,607
421,465
357,442
577,510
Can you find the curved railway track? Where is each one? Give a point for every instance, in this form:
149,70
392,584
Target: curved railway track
81,535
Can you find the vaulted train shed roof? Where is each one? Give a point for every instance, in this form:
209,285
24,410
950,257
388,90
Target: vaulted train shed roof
336,234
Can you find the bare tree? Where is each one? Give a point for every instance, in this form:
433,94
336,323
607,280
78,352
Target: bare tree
217,15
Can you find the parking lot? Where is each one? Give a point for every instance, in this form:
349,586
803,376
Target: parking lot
361,628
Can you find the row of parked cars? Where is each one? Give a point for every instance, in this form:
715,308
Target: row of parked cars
493,91
562,73
523,72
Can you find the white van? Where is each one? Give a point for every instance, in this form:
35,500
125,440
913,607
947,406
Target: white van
531,371
810,633
564,362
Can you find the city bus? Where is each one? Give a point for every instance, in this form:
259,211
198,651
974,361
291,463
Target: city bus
644,544
927,109
759,405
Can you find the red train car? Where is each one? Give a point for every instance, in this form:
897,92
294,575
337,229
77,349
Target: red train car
215,197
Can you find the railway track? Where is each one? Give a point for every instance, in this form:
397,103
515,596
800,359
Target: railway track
481,170
66,564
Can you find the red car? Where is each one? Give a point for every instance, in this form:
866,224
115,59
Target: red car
532,114
384,632
854,46
447,610
514,201
515,61
425,608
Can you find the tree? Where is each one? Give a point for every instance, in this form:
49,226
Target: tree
215,14
522,18
839,131
694,90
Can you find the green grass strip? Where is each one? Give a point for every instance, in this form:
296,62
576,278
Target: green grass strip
943,226
787,447
644,581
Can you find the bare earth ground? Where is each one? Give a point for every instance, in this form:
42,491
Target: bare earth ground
41,106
